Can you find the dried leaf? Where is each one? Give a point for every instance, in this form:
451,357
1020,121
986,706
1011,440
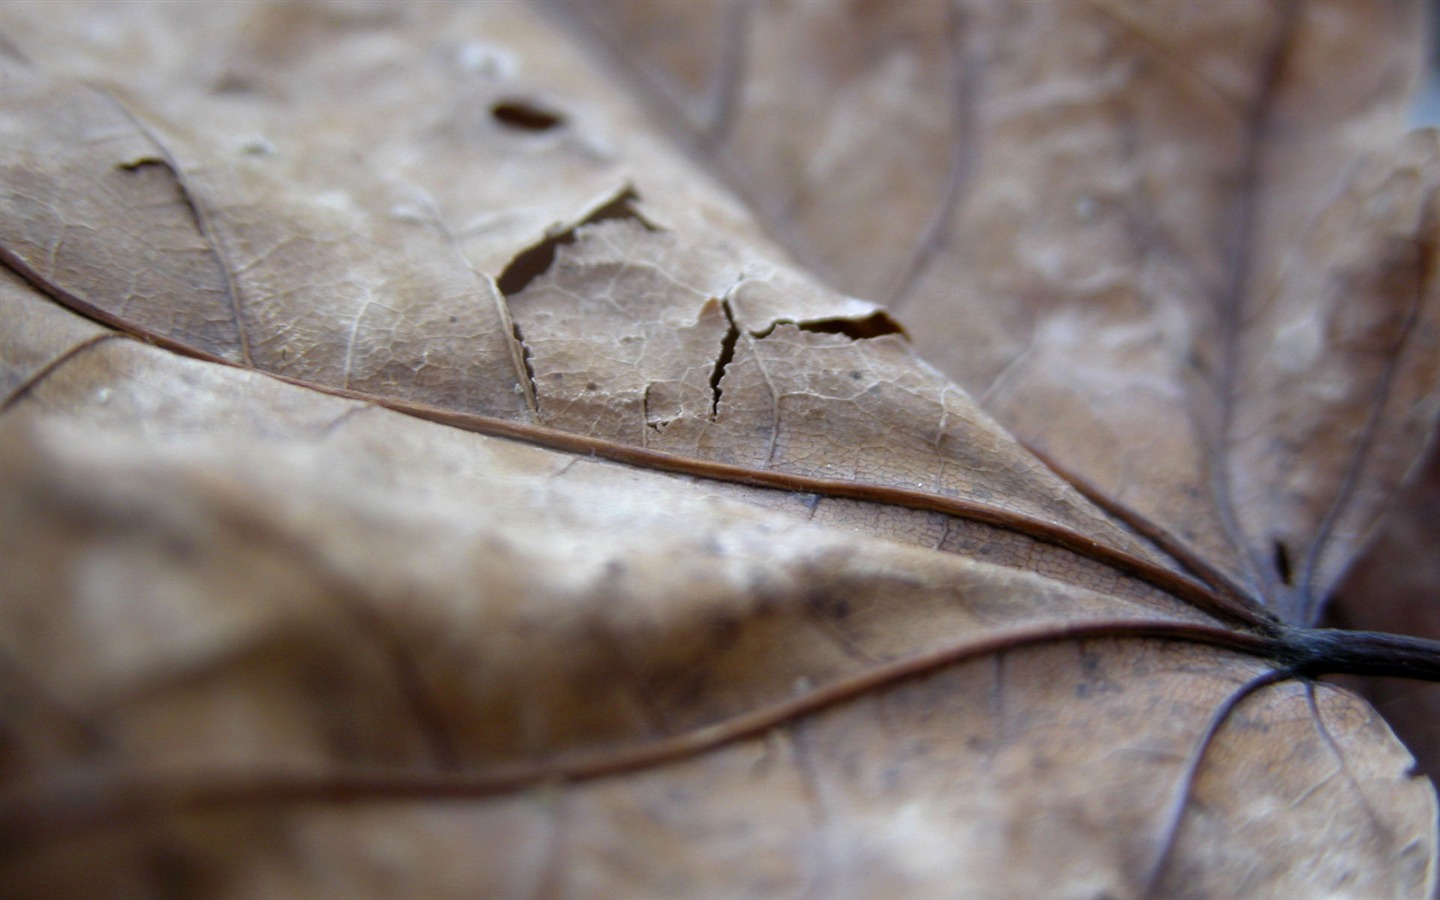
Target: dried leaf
699,578
1185,250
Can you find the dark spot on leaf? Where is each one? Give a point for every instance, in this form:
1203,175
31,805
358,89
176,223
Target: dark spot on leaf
525,115
1282,563
144,162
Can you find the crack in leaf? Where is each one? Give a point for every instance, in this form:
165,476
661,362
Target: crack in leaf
532,394
727,354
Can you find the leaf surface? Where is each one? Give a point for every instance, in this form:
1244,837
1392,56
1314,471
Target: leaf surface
1185,251
699,577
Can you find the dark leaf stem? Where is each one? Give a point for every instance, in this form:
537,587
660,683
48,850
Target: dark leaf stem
1328,651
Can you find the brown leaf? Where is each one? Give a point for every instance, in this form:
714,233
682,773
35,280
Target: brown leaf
717,588
1183,250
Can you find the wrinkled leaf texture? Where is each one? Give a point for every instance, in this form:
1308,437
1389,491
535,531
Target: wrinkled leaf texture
420,478
1122,151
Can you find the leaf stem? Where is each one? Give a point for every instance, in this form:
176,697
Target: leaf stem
1329,651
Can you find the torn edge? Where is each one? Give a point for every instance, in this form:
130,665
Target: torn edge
877,324
536,260
519,350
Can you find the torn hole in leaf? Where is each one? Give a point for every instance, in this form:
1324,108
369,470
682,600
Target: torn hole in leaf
877,324
535,260
525,115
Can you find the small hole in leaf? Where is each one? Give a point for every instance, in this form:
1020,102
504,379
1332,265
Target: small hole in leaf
1282,562
525,116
